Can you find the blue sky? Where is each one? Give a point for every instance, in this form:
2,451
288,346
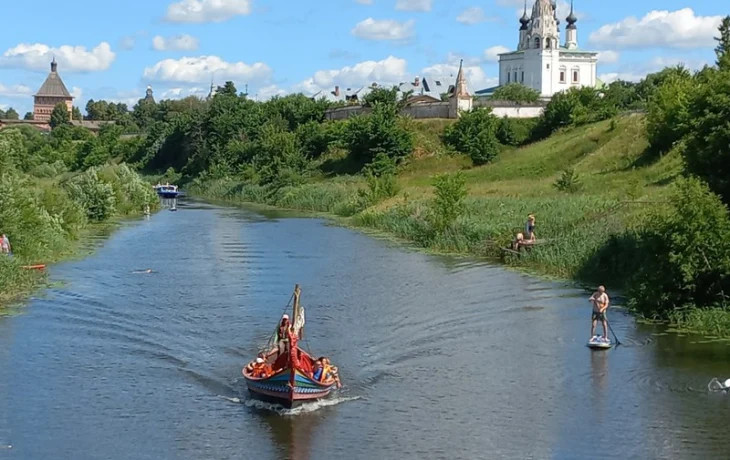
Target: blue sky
113,50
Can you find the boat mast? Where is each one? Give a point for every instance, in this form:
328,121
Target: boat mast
295,313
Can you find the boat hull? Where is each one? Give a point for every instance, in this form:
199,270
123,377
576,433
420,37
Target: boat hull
168,194
277,389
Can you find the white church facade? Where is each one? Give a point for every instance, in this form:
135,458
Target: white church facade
541,62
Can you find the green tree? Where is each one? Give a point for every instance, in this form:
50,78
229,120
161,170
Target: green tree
59,115
723,44
378,132
682,265
707,153
515,92
11,114
76,113
622,94
668,115
475,134
228,89
28,116
448,203
381,95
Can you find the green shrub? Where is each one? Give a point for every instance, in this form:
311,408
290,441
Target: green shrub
668,118
95,196
448,204
475,134
366,136
569,181
708,147
685,254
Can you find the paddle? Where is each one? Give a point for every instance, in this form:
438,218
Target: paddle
614,334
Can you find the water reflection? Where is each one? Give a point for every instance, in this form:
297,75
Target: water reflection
294,435
599,379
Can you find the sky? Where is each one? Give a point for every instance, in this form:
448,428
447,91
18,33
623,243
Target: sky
113,50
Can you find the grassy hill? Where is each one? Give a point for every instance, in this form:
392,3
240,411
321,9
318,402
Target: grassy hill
612,189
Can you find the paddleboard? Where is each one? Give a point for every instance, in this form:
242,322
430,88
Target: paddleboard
599,342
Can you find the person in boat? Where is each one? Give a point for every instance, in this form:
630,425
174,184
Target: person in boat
600,302
282,335
324,371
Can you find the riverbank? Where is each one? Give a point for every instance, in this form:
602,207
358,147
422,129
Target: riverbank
586,186
46,219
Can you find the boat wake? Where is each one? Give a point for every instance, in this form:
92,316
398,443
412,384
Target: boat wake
303,409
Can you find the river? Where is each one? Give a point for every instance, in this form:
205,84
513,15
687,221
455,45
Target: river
440,357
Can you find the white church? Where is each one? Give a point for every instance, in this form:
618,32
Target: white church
541,62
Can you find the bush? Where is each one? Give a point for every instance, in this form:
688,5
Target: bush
475,134
366,136
515,92
574,107
685,254
708,147
569,181
668,116
448,204
95,196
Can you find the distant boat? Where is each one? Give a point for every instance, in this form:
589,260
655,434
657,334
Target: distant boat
288,378
167,190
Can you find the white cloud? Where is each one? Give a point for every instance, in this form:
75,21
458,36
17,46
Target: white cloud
671,29
267,92
4,106
492,54
608,57
473,15
179,93
77,92
383,29
201,69
38,57
15,91
413,5
637,72
389,71
127,43
199,11
177,43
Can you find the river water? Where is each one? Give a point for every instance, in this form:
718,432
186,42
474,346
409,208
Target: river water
440,357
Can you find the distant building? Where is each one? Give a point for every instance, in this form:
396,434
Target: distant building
148,95
540,61
52,92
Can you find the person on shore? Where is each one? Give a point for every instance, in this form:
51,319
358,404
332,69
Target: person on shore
600,302
530,228
5,247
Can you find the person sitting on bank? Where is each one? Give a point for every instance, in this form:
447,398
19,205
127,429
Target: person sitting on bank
530,228
5,247
600,302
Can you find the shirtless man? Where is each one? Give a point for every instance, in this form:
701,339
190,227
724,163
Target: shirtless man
600,301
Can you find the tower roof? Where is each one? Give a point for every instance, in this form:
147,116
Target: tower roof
571,19
542,8
53,86
460,86
524,20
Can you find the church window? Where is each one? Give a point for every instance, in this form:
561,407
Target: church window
515,76
509,74
548,44
537,42
562,76
522,77
575,76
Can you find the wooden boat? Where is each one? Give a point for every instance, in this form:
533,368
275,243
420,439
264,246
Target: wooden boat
290,381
